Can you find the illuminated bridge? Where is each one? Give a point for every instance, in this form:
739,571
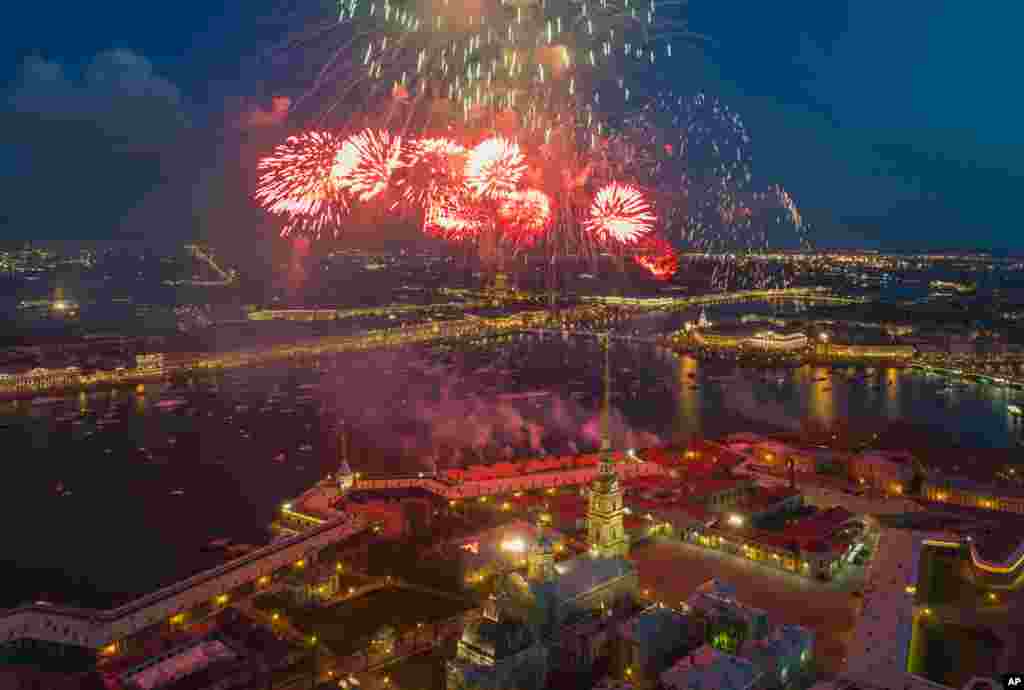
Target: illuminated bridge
815,294
339,314
432,331
972,374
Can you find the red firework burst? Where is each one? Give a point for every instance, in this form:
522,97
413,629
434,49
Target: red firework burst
619,213
430,169
658,257
494,168
296,182
450,217
366,161
526,215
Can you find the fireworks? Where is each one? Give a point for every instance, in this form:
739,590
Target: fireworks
431,170
619,213
365,163
786,201
693,155
544,62
526,215
296,182
658,257
450,218
494,168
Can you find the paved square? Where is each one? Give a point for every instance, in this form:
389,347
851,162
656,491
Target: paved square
672,570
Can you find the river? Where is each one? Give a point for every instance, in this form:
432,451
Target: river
114,493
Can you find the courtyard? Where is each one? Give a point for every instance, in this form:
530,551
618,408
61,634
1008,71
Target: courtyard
347,627
670,571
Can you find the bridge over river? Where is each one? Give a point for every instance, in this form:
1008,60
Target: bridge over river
39,381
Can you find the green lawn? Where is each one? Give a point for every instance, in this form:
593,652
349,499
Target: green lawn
939,581
952,654
345,627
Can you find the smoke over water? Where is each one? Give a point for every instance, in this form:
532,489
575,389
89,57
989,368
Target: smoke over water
743,400
446,411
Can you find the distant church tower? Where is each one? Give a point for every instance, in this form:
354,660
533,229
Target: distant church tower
606,537
703,322
344,475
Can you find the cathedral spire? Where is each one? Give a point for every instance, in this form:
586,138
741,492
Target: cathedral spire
344,475
606,437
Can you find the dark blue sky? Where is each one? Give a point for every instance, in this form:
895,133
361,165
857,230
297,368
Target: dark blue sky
894,124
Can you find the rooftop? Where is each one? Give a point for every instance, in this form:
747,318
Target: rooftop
709,669
649,624
765,498
358,496
497,639
901,457
166,670
813,534
583,573
783,641
996,536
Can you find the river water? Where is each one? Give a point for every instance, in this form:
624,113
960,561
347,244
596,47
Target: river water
114,493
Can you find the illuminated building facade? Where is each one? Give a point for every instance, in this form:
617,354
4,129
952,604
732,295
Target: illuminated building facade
858,351
808,548
972,494
312,586
498,651
775,340
890,472
754,337
150,363
40,378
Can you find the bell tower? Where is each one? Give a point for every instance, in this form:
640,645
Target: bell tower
540,563
606,535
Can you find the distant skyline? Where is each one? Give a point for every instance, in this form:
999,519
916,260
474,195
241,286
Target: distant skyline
893,125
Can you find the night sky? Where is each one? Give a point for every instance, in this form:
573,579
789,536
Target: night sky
893,124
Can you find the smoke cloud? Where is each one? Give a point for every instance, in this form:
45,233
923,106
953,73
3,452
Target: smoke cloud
452,418
256,117
744,401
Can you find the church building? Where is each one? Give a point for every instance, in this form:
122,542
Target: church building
555,599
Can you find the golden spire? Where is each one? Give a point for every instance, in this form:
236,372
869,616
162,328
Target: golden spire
606,437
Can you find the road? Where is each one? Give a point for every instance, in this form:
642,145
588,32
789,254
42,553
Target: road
879,648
